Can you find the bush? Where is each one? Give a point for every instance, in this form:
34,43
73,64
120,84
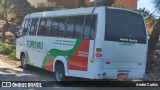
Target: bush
12,56
6,49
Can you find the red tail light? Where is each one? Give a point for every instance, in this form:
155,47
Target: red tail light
98,55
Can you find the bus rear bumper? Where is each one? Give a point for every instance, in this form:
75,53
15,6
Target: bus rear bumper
131,74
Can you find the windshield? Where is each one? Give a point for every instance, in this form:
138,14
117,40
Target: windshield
125,26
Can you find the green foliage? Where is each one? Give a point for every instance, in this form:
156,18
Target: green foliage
83,5
119,6
12,56
157,5
6,49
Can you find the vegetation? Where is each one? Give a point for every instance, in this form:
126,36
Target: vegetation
154,37
12,12
6,49
108,2
12,56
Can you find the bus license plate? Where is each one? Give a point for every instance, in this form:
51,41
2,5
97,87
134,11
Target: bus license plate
122,76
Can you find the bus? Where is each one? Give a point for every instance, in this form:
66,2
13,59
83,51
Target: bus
92,42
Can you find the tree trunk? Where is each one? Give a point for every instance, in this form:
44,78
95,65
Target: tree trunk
153,40
6,26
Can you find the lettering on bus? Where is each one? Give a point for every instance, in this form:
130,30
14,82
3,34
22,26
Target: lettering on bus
126,44
82,54
35,44
128,40
64,42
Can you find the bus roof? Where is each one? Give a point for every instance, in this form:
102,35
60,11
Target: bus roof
76,11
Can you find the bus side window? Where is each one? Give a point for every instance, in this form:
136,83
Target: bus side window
21,29
93,27
34,26
79,26
71,22
87,26
41,29
25,30
62,26
48,27
29,25
54,28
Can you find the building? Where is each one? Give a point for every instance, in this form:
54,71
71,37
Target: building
54,3
65,3
130,4
35,2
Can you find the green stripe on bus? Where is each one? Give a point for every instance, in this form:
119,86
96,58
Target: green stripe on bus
53,53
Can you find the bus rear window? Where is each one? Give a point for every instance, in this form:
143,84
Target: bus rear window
124,26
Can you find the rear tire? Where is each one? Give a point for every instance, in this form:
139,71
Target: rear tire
59,73
24,62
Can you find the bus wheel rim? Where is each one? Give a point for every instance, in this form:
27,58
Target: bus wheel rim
24,62
59,75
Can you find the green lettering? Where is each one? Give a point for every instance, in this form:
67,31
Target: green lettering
39,45
35,44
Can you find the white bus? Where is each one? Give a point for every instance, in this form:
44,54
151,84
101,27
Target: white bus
94,43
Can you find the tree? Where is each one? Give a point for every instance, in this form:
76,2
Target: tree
149,18
81,3
108,2
154,37
6,12
12,9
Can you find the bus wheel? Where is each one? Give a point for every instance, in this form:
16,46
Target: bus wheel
59,73
23,62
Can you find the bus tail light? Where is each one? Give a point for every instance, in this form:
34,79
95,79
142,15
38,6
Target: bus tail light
99,49
98,55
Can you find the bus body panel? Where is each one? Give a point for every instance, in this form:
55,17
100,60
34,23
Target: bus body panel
122,56
124,48
79,55
132,74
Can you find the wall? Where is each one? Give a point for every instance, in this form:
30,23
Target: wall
66,3
130,4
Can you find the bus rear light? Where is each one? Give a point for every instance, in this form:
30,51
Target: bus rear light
107,62
98,55
99,49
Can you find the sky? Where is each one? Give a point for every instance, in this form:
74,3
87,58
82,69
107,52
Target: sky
148,4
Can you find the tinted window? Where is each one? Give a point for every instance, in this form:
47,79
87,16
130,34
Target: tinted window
124,26
62,26
93,27
71,22
54,28
79,26
41,29
25,29
89,30
48,27
34,26
22,27
29,25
